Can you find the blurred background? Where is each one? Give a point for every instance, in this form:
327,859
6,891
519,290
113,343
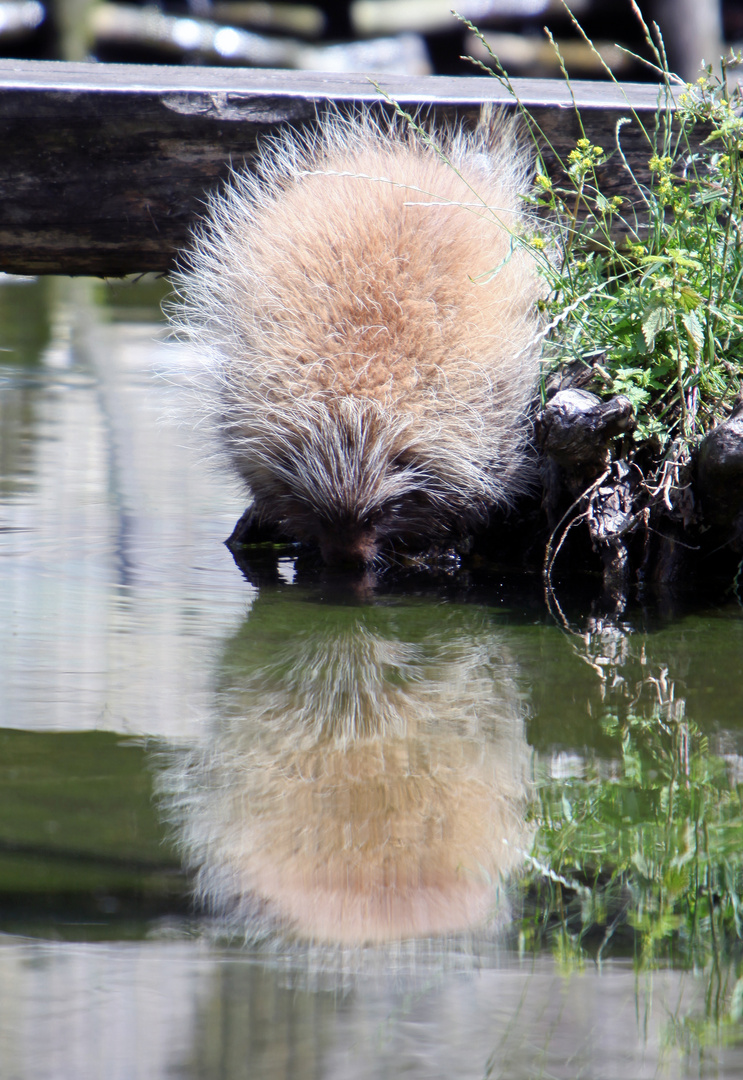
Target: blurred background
393,36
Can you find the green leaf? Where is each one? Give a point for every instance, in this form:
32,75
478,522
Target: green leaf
688,264
694,330
654,320
636,395
690,298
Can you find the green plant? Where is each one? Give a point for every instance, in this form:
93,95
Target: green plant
650,285
644,857
638,849
655,848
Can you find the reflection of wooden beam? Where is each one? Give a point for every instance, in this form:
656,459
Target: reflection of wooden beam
104,166
100,860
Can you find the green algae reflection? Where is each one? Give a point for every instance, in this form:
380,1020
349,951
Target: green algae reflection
638,851
82,852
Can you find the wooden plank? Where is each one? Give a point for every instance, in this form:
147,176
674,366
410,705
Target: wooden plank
105,165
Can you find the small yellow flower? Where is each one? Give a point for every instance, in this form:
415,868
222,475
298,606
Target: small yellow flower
597,151
583,144
660,165
543,181
665,191
538,243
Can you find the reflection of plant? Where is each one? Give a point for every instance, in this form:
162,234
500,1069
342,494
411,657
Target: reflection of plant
654,282
647,854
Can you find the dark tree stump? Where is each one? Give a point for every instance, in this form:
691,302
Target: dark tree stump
719,477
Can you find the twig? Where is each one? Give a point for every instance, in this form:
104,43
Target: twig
549,557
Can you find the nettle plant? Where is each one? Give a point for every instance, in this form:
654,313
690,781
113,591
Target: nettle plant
650,287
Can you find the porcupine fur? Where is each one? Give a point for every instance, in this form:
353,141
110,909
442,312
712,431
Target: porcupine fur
372,326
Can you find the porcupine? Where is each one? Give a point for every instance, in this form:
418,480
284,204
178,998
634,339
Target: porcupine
369,311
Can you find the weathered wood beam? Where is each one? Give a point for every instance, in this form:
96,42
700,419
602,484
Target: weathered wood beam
104,166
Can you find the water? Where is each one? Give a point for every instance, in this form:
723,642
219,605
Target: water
440,830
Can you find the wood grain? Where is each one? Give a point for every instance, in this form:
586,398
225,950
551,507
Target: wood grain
104,166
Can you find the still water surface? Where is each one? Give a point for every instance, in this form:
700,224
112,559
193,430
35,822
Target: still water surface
289,831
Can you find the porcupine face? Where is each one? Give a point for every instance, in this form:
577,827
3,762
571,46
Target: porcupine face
372,325
353,477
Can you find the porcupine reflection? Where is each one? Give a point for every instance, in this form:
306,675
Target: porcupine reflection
360,786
